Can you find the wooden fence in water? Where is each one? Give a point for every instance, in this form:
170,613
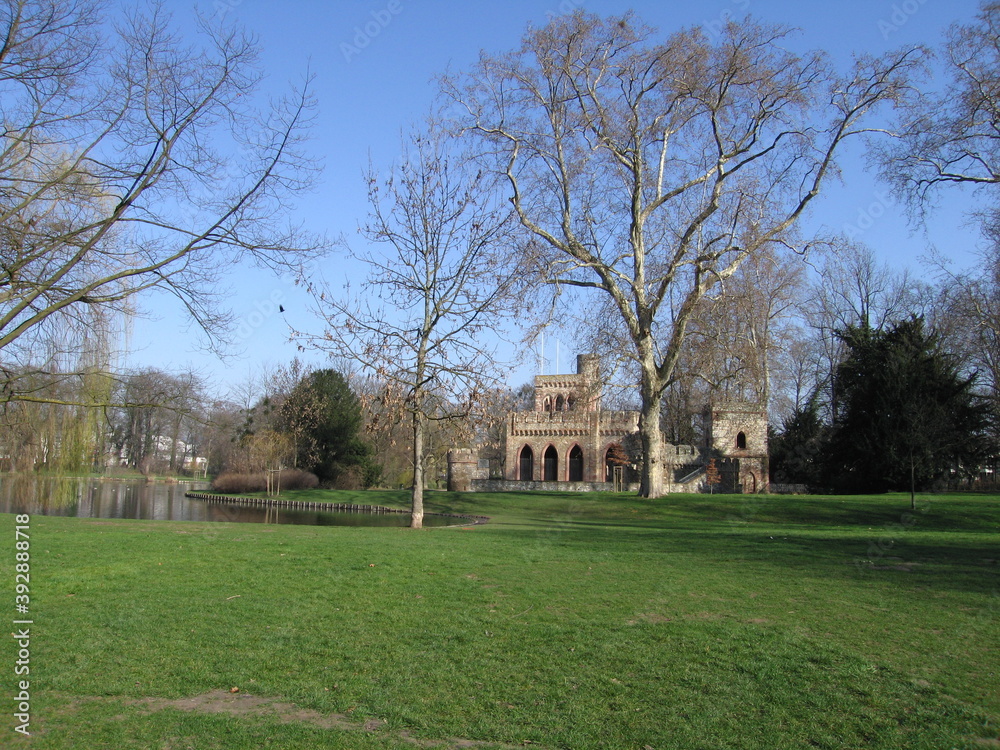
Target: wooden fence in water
278,502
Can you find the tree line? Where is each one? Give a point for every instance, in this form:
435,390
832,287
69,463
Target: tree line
646,189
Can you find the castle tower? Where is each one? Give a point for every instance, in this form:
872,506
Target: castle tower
579,392
566,436
737,432
463,467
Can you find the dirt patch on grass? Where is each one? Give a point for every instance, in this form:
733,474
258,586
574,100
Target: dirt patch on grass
242,704
654,618
255,706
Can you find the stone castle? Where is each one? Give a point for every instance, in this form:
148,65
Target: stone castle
569,442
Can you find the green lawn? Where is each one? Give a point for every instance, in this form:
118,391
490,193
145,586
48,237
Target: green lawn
568,621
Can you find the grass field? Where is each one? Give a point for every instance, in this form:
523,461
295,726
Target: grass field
568,621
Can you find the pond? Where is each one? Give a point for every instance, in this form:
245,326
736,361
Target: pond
162,501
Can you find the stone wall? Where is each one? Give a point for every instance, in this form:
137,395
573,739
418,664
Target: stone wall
509,485
593,432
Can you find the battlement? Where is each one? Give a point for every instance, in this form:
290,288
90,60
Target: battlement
570,392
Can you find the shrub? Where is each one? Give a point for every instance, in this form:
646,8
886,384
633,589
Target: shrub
349,478
233,482
296,479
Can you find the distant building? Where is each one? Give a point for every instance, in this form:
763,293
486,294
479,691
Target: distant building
568,441
567,436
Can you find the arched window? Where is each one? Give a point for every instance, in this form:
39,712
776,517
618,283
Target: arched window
526,465
547,405
560,404
741,441
570,403
576,464
551,464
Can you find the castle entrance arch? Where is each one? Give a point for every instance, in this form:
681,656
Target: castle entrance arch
576,464
551,464
526,465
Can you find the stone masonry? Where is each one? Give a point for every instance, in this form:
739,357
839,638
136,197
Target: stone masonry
563,442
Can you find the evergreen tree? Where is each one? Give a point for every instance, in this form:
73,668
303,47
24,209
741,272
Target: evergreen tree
797,451
907,417
327,431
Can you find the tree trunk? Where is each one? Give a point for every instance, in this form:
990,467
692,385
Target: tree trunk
417,497
174,438
651,437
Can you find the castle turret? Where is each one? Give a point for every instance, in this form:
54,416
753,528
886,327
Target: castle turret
737,433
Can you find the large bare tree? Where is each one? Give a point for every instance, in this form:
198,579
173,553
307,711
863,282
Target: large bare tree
949,136
132,159
650,168
439,274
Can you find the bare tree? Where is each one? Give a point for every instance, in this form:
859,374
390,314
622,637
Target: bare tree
131,160
853,289
153,407
966,315
443,279
949,136
651,170
735,335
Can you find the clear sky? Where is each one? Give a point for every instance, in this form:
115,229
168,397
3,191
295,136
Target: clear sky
375,62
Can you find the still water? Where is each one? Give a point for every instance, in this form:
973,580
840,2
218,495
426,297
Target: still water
159,501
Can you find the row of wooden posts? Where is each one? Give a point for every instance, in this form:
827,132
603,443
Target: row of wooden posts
275,502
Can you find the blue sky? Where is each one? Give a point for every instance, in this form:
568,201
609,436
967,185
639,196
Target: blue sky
375,62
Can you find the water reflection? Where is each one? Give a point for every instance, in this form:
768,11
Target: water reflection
159,501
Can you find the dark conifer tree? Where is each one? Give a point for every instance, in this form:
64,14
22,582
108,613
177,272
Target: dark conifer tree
332,446
796,453
907,416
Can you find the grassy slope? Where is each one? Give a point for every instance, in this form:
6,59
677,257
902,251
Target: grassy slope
576,621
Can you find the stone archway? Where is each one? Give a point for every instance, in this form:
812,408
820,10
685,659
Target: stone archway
576,464
550,464
526,465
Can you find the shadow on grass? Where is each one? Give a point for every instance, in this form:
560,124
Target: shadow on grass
934,560
974,514
948,543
